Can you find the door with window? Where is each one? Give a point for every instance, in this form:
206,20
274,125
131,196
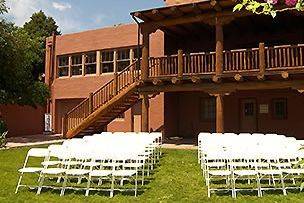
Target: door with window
248,117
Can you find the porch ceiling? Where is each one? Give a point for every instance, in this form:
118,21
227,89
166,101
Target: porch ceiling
183,10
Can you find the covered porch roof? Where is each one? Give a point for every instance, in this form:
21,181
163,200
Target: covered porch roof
185,13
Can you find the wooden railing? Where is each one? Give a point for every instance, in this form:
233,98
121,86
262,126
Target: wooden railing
199,63
234,61
121,81
280,57
241,60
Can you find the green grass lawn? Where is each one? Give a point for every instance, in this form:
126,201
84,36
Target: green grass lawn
177,179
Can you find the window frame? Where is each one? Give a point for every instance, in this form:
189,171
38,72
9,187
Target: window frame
76,65
276,117
63,66
86,64
102,61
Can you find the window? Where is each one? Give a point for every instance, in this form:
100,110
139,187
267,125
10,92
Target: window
107,63
90,63
123,60
207,109
136,54
280,108
76,65
63,66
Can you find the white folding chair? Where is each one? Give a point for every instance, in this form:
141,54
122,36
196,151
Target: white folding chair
36,153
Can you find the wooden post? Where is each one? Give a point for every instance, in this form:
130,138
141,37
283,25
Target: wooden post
145,57
180,62
219,36
262,64
115,73
132,56
91,105
219,113
98,63
145,113
83,64
70,66
64,127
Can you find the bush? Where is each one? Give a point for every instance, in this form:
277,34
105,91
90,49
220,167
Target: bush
3,132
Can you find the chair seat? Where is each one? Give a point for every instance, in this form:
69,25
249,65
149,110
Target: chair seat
238,164
111,164
293,171
72,163
270,172
245,172
91,164
100,173
216,164
133,165
30,170
50,163
261,164
124,173
220,172
281,165
77,172
53,171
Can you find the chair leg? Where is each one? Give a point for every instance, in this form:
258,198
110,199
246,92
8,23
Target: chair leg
18,184
40,184
112,187
136,185
283,185
88,186
143,175
65,179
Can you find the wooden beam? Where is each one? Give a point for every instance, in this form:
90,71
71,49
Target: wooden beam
226,87
176,80
196,79
219,36
145,57
176,12
216,79
216,5
285,75
262,62
180,63
157,13
238,78
220,113
145,113
157,81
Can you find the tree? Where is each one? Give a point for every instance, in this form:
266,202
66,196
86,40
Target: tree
17,54
3,8
270,7
40,27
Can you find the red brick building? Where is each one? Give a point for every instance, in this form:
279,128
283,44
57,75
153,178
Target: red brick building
203,68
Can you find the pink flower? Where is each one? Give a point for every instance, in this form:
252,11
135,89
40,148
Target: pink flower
291,2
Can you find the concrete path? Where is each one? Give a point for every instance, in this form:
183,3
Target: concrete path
33,140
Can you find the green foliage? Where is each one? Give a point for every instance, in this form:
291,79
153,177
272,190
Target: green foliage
18,52
268,7
39,28
3,132
3,8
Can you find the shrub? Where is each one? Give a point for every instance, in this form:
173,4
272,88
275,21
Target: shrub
3,132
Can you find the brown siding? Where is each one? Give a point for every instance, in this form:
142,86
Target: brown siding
23,120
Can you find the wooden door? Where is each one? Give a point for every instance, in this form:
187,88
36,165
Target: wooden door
248,117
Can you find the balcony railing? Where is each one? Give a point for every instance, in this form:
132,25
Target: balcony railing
263,59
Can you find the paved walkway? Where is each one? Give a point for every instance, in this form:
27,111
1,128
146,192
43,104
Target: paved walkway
33,140
53,139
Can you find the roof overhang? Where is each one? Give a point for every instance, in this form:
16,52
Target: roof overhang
156,15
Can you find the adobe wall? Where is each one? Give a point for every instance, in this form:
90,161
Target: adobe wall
23,120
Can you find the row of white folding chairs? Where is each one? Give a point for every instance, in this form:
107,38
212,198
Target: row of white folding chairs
229,168
108,148
71,162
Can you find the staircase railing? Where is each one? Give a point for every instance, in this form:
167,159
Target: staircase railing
121,81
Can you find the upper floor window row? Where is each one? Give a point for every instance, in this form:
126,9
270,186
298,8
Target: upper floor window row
89,63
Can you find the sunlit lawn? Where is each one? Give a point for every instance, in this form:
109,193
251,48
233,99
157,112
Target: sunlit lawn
177,179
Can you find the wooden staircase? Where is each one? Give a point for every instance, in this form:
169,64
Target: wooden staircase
103,106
